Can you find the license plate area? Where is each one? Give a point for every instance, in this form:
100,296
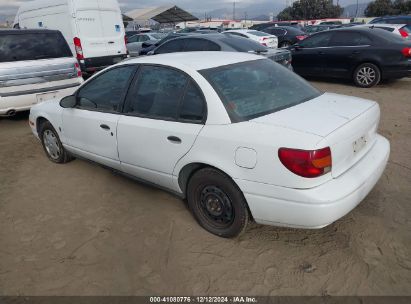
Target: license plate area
46,96
359,144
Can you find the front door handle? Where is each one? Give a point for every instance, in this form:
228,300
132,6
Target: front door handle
355,52
174,139
321,53
105,127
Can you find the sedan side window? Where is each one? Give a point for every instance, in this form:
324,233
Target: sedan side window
193,104
197,45
237,34
156,93
317,40
106,92
349,39
171,47
133,39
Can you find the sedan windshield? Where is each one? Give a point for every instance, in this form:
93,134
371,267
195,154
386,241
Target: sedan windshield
255,88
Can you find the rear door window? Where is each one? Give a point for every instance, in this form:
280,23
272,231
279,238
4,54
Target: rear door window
156,93
33,46
349,39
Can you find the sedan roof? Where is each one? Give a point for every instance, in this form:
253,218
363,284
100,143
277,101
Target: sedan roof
196,60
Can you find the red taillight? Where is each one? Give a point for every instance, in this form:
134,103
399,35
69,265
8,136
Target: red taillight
78,69
305,163
78,48
403,33
125,39
406,52
302,37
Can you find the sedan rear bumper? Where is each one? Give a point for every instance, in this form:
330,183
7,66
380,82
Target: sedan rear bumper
320,206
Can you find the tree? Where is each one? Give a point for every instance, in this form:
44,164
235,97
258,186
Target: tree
379,8
311,9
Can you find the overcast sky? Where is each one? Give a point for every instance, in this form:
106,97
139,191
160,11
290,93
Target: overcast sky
9,7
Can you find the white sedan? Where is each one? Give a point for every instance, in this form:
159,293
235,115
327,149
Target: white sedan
237,135
262,38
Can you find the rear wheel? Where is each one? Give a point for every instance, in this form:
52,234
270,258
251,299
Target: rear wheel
217,204
367,75
52,144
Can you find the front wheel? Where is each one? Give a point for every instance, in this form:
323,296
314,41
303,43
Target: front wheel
52,144
367,75
217,204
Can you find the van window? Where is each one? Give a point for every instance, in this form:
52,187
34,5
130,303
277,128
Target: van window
33,46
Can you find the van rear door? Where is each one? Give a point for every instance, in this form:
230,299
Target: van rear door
100,28
112,26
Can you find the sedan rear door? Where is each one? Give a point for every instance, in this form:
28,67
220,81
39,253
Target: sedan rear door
163,115
344,52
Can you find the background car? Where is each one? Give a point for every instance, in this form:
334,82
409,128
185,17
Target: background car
311,29
35,65
235,134
365,55
398,29
393,20
286,35
135,43
262,38
223,42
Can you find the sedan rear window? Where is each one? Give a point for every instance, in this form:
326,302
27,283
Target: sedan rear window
256,88
241,44
33,46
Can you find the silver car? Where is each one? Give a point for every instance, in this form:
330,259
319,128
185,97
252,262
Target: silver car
134,43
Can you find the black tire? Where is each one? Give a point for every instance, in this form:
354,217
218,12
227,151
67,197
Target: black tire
52,145
367,75
217,204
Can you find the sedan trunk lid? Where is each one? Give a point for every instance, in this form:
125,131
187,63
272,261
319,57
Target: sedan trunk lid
348,125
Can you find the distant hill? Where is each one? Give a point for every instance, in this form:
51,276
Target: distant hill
263,9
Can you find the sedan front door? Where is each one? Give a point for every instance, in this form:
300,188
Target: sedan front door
90,128
308,55
164,113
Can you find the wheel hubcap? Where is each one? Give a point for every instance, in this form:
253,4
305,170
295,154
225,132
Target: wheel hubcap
366,75
216,206
51,144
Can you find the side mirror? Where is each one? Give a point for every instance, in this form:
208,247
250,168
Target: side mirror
68,102
150,53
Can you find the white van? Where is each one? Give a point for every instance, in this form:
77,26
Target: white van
93,29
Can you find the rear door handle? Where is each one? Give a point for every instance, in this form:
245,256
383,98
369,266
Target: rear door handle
174,139
321,53
356,52
105,127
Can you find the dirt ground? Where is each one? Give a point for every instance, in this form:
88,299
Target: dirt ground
79,229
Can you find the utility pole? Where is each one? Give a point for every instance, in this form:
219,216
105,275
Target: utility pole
233,10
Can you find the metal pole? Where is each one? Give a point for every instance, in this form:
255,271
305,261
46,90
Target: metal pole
233,10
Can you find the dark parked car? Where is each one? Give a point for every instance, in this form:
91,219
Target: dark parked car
261,26
287,35
312,29
149,46
365,55
223,42
393,20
